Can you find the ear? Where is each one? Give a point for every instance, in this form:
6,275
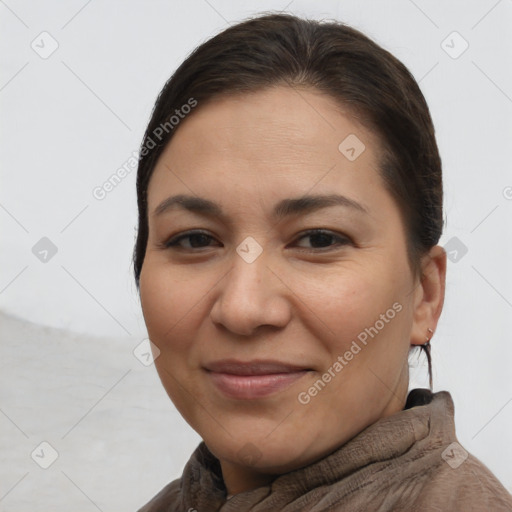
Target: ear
429,295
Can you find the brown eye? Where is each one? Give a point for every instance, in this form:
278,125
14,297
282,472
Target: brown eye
322,239
190,240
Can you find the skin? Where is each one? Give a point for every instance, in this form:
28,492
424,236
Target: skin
302,301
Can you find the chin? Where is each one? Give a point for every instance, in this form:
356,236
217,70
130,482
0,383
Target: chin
268,454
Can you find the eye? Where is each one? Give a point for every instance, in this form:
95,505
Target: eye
322,239
318,239
190,240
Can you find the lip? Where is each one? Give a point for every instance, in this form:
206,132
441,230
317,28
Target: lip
253,379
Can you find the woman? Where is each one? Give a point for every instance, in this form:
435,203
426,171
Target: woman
290,206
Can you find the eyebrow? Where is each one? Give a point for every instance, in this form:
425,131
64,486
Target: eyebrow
285,208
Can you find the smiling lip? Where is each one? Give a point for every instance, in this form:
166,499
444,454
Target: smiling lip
254,379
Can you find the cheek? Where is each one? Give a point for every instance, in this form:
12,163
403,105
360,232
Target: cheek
348,299
364,314
171,305
165,300
174,303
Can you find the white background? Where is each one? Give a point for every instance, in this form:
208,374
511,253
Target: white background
69,325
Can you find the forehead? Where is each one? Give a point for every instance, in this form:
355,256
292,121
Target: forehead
283,116
281,139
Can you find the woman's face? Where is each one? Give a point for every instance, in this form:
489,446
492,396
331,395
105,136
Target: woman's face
278,344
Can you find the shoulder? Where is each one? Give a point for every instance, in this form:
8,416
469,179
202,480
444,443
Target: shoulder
463,483
166,500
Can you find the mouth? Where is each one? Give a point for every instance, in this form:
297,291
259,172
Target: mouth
253,379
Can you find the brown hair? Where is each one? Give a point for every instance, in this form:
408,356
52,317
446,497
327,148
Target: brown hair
282,49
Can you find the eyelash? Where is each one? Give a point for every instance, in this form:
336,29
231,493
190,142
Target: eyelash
173,243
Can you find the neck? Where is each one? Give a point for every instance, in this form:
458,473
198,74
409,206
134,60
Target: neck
240,478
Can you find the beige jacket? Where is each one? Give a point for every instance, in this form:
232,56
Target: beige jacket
410,461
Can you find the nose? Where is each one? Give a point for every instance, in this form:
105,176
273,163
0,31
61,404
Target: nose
251,295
